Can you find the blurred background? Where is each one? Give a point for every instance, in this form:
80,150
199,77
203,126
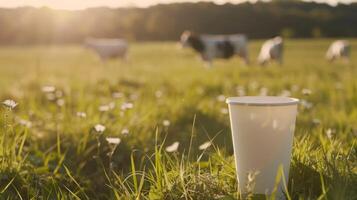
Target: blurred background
28,22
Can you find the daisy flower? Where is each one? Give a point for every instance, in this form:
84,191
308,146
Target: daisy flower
113,140
166,123
99,128
173,147
205,145
9,103
48,89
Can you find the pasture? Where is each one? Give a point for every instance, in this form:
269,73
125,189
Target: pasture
51,147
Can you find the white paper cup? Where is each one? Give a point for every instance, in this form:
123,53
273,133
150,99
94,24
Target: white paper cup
262,132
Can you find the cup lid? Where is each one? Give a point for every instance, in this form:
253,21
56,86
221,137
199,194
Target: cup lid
262,100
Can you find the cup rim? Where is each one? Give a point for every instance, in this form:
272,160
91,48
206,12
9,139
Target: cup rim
262,100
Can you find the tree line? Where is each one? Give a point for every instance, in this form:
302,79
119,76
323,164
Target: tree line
27,25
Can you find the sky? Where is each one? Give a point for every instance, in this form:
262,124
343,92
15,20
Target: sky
82,4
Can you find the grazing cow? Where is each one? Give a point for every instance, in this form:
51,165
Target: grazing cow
216,46
272,49
338,49
108,48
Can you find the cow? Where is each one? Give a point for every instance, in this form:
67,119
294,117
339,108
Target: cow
338,49
272,49
108,48
216,46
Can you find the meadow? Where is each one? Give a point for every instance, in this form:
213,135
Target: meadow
83,129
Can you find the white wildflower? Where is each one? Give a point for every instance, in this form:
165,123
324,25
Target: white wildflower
173,147
125,132
329,133
39,134
252,175
60,102
166,122
241,91
285,93
106,107
113,140
221,98
117,95
48,89
263,91
205,145
129,105
81,114
111,105
251,181
134,96
306,91
99,128
126,106
316,121
294,88
103,108
11,104
307,105
25,123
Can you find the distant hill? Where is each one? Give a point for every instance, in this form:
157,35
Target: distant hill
166,22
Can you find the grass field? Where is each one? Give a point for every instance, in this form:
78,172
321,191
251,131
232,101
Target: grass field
51,146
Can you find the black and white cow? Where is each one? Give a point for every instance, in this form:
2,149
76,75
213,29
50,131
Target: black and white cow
108,48
272,49
216,46
339,49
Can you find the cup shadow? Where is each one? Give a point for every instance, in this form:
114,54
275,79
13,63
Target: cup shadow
304,181
206,127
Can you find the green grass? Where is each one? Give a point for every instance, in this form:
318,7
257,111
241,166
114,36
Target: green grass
61,156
